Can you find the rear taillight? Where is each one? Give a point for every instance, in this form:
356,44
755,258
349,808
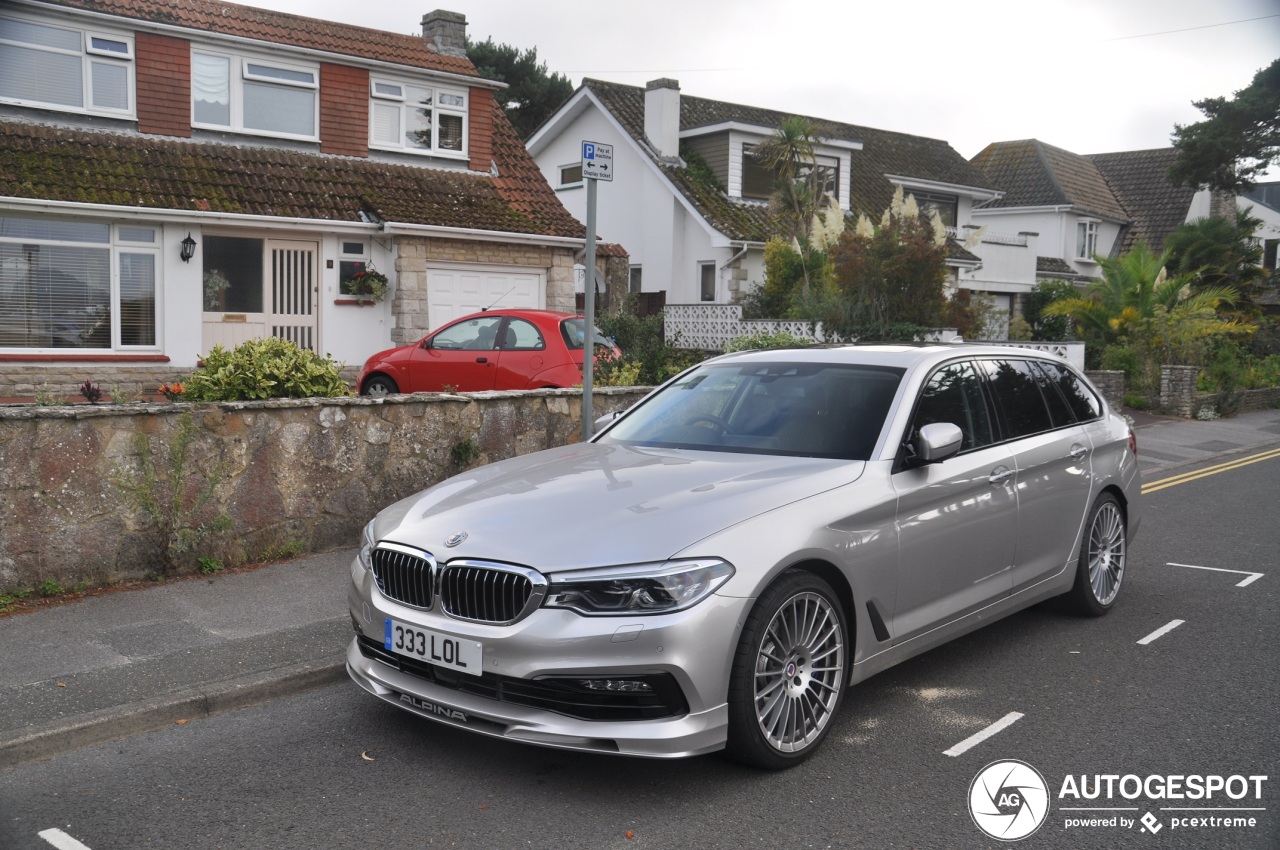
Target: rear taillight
1133,442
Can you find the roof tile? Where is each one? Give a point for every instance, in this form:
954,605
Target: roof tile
281,28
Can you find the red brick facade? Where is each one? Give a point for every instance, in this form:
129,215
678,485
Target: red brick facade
344,110
481,129
164,85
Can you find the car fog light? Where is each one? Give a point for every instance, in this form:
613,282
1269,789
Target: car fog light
633,686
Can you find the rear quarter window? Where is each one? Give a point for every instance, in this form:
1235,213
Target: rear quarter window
1083,403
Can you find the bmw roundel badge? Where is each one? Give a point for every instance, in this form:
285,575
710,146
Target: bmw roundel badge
454,539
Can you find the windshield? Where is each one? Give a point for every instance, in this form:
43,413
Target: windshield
807,409
572,331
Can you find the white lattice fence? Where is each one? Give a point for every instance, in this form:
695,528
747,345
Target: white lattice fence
711,326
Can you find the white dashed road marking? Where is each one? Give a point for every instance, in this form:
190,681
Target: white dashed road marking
61,840
1161,632
973,740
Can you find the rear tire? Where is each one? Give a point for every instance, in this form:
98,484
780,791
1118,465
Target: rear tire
379,386
788,674
1103,556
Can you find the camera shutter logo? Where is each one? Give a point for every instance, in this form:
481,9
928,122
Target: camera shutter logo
1008,800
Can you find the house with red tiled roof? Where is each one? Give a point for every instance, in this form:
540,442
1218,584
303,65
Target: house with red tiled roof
176,174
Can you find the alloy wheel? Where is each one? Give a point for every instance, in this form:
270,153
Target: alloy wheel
799,670
1106,552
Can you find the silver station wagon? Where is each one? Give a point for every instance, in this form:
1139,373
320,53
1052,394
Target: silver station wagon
719,564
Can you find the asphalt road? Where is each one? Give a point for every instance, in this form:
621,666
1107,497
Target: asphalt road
336,769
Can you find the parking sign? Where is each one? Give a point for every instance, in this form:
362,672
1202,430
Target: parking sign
597,161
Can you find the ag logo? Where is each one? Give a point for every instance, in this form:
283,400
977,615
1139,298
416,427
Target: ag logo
1008,800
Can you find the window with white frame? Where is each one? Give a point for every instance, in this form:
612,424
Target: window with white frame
353,259
1086,240
84,285
759,182
67,69
248,95
417,118
571,175
707,281
945,206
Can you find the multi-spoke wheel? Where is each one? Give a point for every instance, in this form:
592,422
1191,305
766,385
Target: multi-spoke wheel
1100,571
788,673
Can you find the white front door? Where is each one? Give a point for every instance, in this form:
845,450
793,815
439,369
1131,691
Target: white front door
293,291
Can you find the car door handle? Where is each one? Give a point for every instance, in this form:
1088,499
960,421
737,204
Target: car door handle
482,359
1000,475
1078,452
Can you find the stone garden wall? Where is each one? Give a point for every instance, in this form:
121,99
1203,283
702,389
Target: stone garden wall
292,475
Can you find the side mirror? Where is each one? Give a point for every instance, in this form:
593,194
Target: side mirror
605,421
937,441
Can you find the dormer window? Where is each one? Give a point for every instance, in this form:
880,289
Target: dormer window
248,95
65,69
414,118
929,203
759,182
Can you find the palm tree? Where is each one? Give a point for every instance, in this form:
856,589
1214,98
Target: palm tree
800,191
1221,249
1135,286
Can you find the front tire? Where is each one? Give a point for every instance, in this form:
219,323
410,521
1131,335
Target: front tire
1103,556
788,673
379,386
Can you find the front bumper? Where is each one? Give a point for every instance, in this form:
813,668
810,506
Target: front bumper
694,648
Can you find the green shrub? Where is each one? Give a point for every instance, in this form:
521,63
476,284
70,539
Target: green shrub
766,339
646,353
265,368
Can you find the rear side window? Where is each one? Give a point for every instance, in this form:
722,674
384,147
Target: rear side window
522,335
1018,395
954,394
1083,403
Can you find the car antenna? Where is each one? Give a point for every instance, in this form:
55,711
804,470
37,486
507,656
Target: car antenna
495,303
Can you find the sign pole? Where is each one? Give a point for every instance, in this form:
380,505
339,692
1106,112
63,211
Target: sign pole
589,312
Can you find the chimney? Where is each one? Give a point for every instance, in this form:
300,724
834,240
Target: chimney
445,32
662,117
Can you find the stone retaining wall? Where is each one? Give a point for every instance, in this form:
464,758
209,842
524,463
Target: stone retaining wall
293,475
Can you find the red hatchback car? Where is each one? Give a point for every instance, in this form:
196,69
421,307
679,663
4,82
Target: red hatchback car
493,350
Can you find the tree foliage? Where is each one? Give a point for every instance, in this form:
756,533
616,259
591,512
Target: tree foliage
534,92
799,199
889,280
1236,142
1221,251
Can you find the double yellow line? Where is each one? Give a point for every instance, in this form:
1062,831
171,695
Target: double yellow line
1152,486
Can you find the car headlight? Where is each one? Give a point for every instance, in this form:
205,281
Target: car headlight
366,546
641,589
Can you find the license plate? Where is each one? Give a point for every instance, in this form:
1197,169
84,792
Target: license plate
465,656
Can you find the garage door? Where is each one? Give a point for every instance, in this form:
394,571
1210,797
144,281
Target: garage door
454,291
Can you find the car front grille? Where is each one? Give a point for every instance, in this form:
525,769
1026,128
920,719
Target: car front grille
404,575
477,591
561,695
483,594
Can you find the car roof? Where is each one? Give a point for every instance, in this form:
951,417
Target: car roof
905,356
519,312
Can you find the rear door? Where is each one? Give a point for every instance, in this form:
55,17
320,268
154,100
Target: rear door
1051,454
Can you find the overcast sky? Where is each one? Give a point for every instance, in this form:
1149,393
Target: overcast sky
1091,76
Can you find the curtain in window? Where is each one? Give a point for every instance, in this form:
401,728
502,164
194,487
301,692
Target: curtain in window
211,87
110,85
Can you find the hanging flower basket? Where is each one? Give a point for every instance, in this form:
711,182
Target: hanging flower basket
368,285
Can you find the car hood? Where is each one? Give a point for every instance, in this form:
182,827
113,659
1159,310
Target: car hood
596,504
